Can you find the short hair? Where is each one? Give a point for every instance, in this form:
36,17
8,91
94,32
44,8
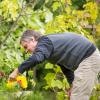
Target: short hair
28,34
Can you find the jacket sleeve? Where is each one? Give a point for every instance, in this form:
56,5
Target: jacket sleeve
43,51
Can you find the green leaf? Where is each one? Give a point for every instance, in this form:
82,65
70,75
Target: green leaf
49,77
55,6
60,96
57,83
57,69
48,16
49,66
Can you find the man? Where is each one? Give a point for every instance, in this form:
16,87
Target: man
78,58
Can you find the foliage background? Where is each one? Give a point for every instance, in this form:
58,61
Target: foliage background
48,17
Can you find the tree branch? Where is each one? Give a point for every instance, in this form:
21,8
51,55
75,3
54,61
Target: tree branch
13,25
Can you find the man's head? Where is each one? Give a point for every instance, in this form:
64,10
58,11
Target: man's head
29,40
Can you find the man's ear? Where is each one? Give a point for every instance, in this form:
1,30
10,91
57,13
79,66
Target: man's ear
33,39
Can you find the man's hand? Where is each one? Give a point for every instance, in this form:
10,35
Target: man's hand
14,74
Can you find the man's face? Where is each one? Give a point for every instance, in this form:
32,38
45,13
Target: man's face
29,45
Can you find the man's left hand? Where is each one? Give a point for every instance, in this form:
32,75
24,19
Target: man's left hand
14,74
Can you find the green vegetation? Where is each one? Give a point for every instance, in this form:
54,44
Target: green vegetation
46,16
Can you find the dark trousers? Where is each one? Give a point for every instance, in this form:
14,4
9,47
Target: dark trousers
68,74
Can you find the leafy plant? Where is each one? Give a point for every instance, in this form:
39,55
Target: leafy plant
46,16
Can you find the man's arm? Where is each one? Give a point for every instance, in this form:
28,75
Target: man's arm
36,58
42,52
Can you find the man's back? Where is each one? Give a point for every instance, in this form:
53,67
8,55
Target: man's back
69,49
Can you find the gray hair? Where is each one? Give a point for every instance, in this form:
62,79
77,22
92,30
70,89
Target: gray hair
28,34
